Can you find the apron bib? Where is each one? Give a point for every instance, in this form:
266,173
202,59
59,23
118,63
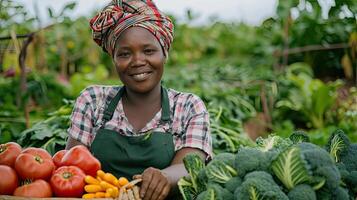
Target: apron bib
125,156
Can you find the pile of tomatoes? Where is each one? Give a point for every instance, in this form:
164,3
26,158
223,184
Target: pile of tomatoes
33,172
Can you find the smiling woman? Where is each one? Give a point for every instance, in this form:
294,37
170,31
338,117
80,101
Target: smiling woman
146,129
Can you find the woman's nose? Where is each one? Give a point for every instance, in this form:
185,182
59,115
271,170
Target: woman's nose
139,59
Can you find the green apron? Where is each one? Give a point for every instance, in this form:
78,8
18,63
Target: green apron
125,156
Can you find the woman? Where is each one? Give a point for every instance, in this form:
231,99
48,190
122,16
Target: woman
139,130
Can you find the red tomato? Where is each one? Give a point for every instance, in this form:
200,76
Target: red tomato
8,181
81,157
58,157
34,163
68,181
39,188
9,153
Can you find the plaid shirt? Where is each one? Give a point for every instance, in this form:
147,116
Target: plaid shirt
190,124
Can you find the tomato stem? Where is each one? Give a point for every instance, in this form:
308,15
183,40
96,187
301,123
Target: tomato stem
2,148
38,159
67,175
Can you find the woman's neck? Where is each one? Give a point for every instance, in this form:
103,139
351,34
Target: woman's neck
143,99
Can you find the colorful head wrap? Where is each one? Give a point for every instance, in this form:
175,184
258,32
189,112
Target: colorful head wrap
119,15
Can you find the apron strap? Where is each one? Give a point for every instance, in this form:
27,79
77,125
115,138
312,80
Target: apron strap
165,106
109,111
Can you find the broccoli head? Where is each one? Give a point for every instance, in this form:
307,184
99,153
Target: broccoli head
302,192
299,136
251,159
259,185
233,183
322,166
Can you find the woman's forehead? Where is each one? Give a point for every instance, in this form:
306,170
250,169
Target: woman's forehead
137,35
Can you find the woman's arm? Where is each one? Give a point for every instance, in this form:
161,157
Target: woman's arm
158,184
72,142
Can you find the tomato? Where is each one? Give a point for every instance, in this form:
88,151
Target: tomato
58,157
8,181
81,157
34,163
39,188
68,181
9,153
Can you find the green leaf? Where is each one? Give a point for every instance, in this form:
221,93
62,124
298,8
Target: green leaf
291,168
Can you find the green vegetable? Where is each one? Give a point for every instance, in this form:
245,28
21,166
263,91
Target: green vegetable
250,159
322,167
338,144
298,137
259,185
302,192
191,187
233,184
272,142
291,168
220,169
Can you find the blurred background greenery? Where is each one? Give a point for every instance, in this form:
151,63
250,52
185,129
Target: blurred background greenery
295,71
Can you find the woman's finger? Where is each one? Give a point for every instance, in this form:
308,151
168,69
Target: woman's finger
137,176
160,186
146,176
155,180
165,192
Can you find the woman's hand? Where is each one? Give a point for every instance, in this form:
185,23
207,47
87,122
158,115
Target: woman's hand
155,184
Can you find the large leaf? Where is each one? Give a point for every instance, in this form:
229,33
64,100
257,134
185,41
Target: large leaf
291,168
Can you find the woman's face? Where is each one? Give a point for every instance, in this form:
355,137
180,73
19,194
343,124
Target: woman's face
139,59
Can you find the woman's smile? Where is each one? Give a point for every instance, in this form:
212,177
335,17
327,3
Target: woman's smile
141,76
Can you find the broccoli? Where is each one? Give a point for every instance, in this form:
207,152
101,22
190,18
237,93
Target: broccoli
338,194
186,189
191,187
272,142
221,193
233,183
302,192
250,159
299,136
325,173
350,158
221,169
338,144
209,194
259,185
345,155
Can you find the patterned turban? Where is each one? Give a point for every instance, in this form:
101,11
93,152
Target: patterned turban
119,15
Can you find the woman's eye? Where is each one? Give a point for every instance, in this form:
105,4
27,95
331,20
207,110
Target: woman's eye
123,54
149,51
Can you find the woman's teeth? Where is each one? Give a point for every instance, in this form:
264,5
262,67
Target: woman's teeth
140,77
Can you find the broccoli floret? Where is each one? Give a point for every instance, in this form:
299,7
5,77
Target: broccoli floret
299,136
227,158
321,165
350,158
302,192
338,194
215,192
272,142
259,185
233,183
341,194
250,159
207,195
